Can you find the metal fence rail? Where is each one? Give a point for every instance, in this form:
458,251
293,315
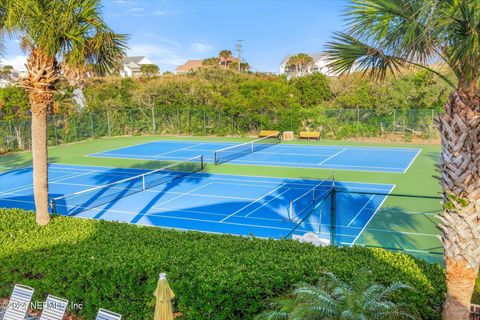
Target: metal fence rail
15,134
396,222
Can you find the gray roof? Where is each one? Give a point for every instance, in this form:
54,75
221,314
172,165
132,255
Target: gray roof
136,59
315,55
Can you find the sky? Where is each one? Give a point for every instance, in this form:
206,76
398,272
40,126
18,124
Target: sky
171,32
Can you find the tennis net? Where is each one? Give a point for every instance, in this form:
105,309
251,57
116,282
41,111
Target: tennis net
310,198
240,150
91,198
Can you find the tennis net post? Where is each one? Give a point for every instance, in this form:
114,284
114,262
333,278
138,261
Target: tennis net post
236,151
303,202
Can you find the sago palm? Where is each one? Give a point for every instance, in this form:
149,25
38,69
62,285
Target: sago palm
332,299
55,33
388,35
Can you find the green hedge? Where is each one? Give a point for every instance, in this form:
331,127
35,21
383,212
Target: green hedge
115,266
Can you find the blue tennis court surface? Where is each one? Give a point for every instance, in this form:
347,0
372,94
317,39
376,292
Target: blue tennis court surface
284,155
239,205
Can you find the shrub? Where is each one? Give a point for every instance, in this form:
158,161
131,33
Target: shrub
115,266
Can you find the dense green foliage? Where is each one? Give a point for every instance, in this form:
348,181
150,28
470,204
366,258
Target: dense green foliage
225,102
116,266
149,70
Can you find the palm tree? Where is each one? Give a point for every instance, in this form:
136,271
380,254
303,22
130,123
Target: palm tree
332,299
225,57
210,62
304,61
52,30
301,62
293,61
388,35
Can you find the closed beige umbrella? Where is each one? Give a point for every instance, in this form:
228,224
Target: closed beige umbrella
164,295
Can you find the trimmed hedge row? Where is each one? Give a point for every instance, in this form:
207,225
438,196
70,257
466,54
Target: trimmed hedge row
115,266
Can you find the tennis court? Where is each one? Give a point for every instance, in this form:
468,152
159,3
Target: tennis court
268,152
218,203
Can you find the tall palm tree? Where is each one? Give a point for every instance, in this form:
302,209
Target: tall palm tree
225,57
388,35
55,33
334,299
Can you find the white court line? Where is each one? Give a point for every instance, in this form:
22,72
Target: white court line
72,176
371,217
266,184
28,186
413,160
176,217
236,176
264,163
257,218
332,156
125,156
176,150
267,163
278,195
274,153
183,194
14,169
360,211
255,201
313,166
282,145
153,190
133,145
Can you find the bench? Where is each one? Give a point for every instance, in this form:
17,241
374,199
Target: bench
309,135
268,133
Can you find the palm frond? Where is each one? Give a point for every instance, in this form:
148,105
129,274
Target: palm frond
346,54
402,27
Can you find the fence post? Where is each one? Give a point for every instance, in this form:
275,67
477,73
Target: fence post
332,216
432,123
108,123
204,122
91,125
394,120
154,121
178,120
55,129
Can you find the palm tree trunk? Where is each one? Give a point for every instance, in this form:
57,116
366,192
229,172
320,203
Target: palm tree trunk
40,162
42,74
460,169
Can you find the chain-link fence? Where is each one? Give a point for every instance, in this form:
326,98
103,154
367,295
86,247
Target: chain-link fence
333,124
396,222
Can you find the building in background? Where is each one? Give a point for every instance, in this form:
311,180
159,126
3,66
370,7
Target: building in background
131,66
190,65
319,65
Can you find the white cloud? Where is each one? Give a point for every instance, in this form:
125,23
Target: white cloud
18,62
201,47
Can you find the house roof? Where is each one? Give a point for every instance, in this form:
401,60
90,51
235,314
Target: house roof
189,65
135,60
315,55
